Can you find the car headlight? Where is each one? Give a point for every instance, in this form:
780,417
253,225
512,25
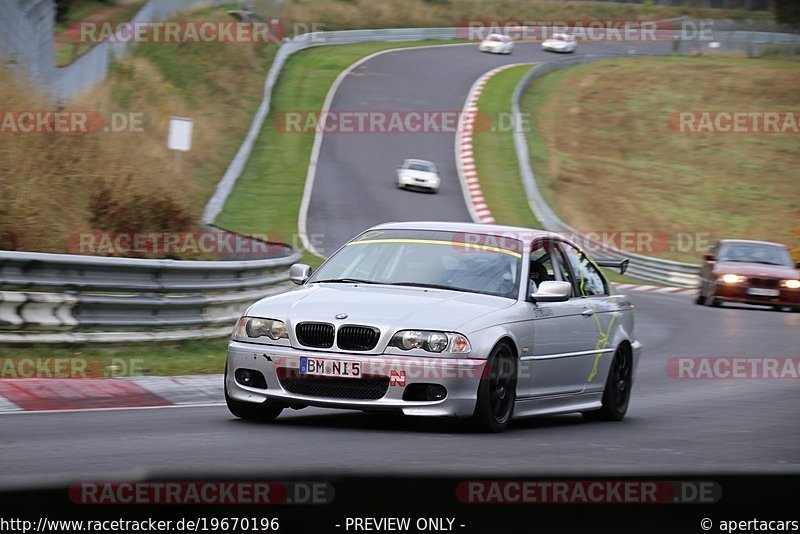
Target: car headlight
732,278
256,329
791,284
431,341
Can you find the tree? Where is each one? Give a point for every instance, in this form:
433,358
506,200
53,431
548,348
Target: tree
787,12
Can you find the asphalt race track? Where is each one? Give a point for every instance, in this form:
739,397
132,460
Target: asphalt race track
673,425
354,185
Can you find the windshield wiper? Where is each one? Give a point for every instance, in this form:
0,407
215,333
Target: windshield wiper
432,286
345,281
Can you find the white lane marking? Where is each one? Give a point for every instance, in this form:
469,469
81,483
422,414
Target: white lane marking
114,409
311,175
7,405
465,159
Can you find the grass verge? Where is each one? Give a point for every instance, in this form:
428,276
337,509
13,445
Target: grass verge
267,195
605,157
496,159
202,356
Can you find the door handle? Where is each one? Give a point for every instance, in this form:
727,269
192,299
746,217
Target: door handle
588,312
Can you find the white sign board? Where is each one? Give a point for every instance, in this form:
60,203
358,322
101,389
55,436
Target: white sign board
180,134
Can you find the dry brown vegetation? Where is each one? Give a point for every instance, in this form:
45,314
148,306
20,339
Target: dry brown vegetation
56,186
609,161
351,14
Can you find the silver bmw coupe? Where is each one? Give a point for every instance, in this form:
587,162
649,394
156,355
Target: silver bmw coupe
481,322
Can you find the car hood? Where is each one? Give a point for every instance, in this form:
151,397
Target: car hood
760,270
386,307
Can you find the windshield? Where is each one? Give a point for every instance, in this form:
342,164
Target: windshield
417,166
755,253
445,260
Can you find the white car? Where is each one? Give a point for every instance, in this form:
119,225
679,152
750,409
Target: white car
497,44
560,42
418,174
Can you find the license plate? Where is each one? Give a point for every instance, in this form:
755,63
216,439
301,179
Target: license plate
322,367
761,292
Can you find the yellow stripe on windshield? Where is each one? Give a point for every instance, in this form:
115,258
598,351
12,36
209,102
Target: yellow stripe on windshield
435,242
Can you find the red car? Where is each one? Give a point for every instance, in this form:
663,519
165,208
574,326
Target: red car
751,272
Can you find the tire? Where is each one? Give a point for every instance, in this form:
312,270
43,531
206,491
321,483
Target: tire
700,299
267,411
712,301
497,391
617,393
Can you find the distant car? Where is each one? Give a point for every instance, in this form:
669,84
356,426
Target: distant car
497,44
751,272
560,42
418,174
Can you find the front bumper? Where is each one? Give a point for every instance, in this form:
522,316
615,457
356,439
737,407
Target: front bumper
460,376
556,48
428,184
738,293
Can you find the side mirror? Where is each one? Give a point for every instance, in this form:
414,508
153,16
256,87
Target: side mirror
551,291
708,256
299,273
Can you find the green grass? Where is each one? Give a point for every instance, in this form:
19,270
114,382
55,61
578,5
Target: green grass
203,356
267,195
496,160
496,157
594,137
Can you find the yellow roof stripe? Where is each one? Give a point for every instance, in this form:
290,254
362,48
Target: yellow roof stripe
435,242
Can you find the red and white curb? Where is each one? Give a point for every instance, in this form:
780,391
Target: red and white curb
58,394
624,288
465,156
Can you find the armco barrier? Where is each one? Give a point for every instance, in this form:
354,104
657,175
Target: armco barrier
60,298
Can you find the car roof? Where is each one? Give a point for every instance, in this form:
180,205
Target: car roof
749,242
514,232
422,161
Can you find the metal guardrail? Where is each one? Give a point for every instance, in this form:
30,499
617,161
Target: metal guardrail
61,298
644,267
